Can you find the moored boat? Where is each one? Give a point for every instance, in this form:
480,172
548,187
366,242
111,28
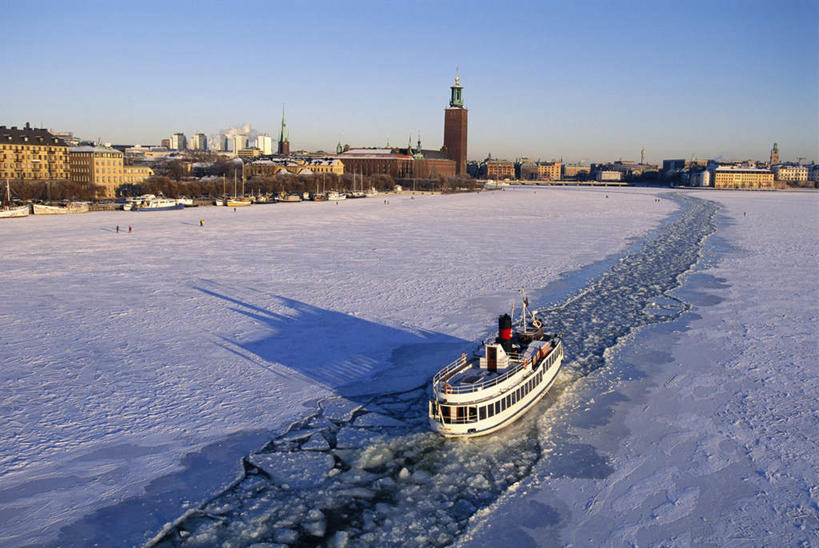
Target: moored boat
290,198
157,204
68,209
489,390
237,202
14,211
7,210
334,196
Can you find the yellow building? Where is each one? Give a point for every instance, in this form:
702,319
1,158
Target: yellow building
725,177
325,165
32,154
133,175
248,153
498,169
796,174
99,166
543,171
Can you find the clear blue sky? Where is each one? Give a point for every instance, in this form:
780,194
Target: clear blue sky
578,80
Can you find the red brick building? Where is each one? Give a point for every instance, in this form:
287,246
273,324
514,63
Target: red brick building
455,128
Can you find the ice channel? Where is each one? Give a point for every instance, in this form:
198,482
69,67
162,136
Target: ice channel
369,473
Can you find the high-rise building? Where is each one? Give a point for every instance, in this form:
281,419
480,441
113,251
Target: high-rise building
264,143
284,141
165,143
238,143
200,142
643,156
178,141
455,121
775,154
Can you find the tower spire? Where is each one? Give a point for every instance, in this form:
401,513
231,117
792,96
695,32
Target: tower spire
284,142
456,99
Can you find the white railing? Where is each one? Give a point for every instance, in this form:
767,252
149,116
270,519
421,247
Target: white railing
441,386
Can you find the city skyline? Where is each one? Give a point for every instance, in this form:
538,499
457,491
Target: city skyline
598,82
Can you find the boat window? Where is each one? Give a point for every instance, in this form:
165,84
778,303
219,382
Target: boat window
482,412
473,414
517,393
497,407
491,410
503,404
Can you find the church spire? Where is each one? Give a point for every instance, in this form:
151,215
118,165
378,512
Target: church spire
284,142
283,133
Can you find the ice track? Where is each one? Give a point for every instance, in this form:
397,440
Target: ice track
367,472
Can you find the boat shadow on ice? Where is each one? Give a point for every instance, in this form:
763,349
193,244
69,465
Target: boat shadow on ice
349,355
364,468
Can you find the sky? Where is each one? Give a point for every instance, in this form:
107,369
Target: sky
582,81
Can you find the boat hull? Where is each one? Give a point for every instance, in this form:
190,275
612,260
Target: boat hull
41,209
238,203
161,208
8,213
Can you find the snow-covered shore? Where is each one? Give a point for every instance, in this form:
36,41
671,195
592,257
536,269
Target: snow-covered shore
136,368
703,431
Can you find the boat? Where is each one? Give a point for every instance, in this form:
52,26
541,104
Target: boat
290,198
238,202
14,211
7,210
334,196
502,380
157,204
185,201
68,209
357,193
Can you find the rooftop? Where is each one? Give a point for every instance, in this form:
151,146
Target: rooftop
28,136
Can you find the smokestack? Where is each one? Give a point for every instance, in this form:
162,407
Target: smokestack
505,332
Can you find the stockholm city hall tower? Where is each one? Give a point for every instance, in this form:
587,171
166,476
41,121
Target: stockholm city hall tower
455,128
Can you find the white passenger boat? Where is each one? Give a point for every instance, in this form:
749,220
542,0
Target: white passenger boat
158,204
480,394
334,196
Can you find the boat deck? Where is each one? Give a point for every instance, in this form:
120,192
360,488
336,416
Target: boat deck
472,374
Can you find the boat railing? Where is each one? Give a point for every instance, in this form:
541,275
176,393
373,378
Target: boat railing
440,384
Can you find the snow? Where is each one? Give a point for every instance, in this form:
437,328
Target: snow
705,427
137,368
261,379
